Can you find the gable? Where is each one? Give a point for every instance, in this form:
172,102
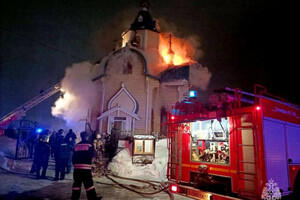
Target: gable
125,100
123,61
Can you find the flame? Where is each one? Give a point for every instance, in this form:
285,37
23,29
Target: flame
179,52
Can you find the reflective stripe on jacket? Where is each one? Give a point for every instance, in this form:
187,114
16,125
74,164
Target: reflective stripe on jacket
82,166
83,154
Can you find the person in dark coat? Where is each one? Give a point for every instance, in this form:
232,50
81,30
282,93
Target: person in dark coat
61,154
41,156
112,146
70,139
52,142
71,136
33,142
84,153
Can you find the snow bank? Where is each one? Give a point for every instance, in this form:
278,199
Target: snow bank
121,164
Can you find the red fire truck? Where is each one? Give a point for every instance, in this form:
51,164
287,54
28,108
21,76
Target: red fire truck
247,147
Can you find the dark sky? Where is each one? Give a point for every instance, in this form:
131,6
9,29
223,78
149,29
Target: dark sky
244,42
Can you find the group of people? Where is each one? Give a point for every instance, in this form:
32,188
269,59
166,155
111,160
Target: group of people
58,146
67,152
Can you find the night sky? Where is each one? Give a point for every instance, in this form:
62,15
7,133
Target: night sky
244,42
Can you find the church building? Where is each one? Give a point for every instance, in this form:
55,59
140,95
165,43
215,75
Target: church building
134,95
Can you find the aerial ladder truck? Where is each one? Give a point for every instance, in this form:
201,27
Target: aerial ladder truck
20,112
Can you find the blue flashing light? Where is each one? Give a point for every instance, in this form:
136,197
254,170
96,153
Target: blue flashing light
192,93
39,130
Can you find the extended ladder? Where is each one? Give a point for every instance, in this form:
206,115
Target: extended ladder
20,112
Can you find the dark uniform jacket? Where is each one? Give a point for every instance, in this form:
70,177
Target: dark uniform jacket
61,149
83,154
64,151
42,153
73,136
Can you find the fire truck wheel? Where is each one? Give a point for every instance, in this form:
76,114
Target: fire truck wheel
296,190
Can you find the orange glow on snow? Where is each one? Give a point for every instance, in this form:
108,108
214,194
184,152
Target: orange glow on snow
180,49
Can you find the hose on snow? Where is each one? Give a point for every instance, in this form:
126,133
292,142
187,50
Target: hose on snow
158,186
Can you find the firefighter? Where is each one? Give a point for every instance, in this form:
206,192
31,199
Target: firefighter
113,143
83,155
61,154
70,139
52,142
41,156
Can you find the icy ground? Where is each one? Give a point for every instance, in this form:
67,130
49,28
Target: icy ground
17,183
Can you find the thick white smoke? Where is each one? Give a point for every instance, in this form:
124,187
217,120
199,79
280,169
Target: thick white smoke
80,95
199,76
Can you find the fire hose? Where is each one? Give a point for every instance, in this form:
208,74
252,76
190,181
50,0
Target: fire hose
158,186
161,187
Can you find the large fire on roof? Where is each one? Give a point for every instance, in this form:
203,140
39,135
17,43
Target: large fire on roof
175,51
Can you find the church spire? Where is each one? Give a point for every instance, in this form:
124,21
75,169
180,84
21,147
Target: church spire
144,31
144,19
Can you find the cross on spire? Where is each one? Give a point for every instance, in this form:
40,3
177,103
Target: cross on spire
170,44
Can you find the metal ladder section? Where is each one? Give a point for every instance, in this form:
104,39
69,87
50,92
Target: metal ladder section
245,131
20,112
174,144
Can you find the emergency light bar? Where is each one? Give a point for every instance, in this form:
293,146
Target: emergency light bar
39,130
192,93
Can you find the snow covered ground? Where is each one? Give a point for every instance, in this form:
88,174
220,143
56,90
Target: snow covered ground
17,183
121,164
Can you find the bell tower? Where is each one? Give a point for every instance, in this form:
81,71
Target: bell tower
144,31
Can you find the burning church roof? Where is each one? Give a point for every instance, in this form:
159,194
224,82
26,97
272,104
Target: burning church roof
197,75
175,73
165,57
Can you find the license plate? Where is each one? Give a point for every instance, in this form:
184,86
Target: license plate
198,194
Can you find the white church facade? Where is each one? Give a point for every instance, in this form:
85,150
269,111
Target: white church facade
133,98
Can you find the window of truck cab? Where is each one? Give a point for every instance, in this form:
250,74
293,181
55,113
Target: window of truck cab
210,141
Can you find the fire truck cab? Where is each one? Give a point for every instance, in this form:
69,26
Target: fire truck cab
247,147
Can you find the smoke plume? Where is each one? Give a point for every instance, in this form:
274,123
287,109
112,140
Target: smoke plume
199,76
80,95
